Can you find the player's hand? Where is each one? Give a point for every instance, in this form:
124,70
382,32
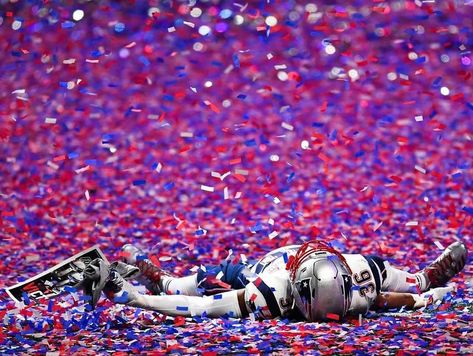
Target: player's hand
118,290
433,296
440,293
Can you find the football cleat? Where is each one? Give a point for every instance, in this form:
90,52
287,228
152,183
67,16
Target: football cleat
150,275
447,265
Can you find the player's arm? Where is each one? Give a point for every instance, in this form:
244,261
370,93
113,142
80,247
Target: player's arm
230,303
393,300
256,297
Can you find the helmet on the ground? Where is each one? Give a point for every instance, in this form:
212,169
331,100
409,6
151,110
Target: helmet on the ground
321,282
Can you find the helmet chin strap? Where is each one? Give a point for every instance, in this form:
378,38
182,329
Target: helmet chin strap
307,249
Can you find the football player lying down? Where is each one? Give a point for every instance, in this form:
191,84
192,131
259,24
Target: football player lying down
311,281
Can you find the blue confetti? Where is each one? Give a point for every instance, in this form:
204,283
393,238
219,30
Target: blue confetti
236,61
468,209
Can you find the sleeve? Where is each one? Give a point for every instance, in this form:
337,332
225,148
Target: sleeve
267,297
223,304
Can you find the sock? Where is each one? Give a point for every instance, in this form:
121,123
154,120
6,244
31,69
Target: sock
422,281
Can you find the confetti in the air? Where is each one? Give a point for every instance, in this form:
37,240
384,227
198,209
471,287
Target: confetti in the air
195,128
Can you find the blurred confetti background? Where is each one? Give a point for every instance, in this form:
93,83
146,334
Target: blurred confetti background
197,128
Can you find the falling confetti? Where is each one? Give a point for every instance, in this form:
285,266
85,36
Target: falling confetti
195,128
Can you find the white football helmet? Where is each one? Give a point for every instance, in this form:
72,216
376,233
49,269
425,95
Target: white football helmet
321,282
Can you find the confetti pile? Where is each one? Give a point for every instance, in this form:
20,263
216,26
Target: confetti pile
198,128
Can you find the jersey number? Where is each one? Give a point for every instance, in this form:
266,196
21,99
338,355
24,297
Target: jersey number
363,279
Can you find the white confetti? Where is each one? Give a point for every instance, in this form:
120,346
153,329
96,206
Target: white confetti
287,126
273,234
420,169
207,188
81,170
243,172
220,176
52,165
378,225
412,223
50,120
228,69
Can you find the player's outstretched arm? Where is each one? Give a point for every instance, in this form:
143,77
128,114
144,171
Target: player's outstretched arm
393,300
223,304
231,303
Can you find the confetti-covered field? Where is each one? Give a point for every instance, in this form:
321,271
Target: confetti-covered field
193,128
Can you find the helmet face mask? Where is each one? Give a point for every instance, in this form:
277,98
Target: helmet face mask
321,282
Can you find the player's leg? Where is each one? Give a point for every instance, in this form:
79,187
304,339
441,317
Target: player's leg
439,272
397,280
447,265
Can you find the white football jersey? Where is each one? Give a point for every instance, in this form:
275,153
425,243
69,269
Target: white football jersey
269,292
